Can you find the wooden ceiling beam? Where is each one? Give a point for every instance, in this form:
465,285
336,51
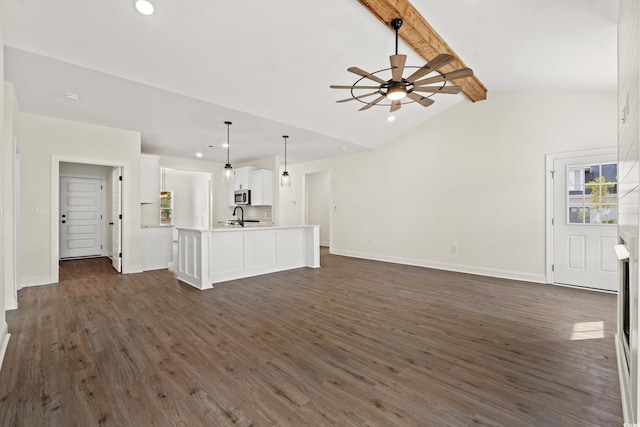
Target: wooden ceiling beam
422,38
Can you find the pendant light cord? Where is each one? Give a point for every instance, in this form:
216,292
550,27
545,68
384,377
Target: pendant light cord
228,144
285,151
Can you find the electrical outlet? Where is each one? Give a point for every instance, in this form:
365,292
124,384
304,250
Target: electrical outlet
41,210
454,249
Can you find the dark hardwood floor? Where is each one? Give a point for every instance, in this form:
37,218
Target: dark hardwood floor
354,343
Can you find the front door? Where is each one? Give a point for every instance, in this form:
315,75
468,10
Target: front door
81,216
585,217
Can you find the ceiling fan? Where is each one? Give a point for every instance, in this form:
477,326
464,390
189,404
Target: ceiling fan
398,88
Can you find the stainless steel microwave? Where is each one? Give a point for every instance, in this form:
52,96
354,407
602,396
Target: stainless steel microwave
242,197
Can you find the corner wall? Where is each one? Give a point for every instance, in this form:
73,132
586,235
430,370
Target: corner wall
4,183
472,178
47,141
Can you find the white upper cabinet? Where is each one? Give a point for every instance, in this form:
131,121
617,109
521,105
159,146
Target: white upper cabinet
149,171
259,181
241,181
262,187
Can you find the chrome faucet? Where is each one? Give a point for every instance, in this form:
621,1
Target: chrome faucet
241,220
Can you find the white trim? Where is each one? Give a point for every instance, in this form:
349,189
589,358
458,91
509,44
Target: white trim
549,160
27,282
55,207
305,204
625,396
480,271
5,335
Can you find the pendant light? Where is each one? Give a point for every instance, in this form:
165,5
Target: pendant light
227,173
285,179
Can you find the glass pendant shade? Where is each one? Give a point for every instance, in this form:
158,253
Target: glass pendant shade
227,173
285,179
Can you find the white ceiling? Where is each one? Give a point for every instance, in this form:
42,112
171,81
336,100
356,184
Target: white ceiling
177,75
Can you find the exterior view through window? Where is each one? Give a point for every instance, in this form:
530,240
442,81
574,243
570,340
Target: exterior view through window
592,194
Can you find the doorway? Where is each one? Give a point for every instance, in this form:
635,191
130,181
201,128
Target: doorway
317,210
583,219
87,172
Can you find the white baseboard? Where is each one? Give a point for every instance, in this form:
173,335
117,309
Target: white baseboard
132,269
4,341
36,281
623,368
480,271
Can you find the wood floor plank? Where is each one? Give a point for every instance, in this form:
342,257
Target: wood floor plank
354,343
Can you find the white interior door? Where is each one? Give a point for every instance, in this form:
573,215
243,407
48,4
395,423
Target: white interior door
585,217
116,219
81,216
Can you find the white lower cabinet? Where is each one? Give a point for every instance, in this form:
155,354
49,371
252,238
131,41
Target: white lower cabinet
157,247
211,256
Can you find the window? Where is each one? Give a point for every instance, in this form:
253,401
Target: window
166,207
592,194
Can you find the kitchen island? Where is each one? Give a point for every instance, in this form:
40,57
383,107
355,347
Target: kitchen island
208,256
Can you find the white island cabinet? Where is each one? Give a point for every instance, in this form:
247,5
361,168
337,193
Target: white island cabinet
208,256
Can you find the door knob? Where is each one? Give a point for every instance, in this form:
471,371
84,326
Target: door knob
63,221
64,216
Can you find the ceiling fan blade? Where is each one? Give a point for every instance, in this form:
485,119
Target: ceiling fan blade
358,71
457,74
354,87
397,66
359,96
425,102
438,89
437,62
395,105
372,103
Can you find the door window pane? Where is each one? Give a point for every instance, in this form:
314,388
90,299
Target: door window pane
592,194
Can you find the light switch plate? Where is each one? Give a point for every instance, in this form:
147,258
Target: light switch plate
41,210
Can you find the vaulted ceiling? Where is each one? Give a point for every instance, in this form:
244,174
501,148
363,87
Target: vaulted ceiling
177,75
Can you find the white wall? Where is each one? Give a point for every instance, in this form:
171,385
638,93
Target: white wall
9,166
473,177
629,196
47,141
4,182
218,188
190,192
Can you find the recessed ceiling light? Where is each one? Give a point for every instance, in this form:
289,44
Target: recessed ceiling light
144,7
71,96
198,154
391,118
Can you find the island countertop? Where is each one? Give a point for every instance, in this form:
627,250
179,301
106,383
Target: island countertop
212,255
245,228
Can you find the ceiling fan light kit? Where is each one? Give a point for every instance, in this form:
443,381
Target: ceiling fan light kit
404,90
